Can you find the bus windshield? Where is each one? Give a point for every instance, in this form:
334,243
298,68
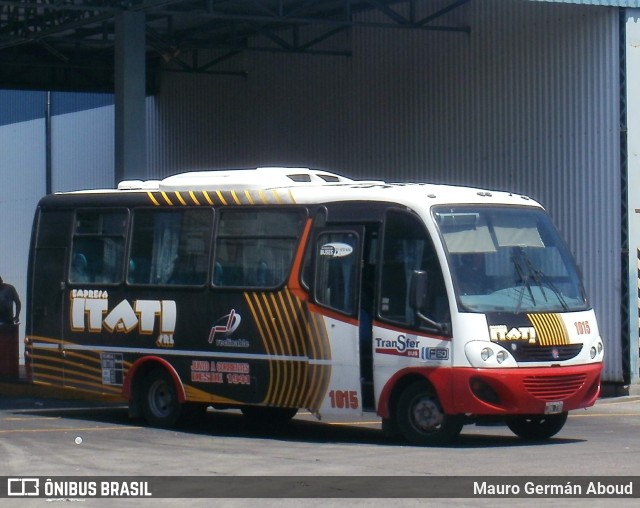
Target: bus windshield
508,259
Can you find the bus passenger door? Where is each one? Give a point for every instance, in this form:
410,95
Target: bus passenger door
336,288
45,312
46,315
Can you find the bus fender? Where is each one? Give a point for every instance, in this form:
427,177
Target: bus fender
148,361
439,378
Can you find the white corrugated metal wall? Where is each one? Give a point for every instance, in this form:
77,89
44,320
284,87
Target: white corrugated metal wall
82,157
528,101
633,171
22,159
82,149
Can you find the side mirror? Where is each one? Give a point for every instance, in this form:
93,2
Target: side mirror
418,291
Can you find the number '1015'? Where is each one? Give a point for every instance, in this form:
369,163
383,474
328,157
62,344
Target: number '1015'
582,327
343,399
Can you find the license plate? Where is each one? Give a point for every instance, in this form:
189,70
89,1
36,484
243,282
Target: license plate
552,408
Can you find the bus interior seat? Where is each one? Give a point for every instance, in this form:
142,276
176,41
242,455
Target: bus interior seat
80,268
264,276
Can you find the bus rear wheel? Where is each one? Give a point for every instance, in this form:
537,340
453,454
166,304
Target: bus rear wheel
160,404
537,426
421,420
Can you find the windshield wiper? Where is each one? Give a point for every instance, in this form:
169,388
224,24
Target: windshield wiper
517,259
541,278
538,276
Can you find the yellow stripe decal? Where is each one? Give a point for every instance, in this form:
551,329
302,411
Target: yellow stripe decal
180,198
234,197
550,329
196,395
207,197
283,322
166,198
153,199
194,198
221,197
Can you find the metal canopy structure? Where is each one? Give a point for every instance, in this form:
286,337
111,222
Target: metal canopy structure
69,44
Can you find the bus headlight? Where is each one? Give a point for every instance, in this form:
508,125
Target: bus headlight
486,353
596,349
481,354
502,356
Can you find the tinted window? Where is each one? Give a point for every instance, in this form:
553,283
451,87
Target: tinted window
506,258
98,246
408,249
170,247
255,248
337,262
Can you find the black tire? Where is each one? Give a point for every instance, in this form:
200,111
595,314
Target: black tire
390,428
536,427
160,404
261,415
421,420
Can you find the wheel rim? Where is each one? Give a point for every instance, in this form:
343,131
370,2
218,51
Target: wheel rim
426,414
160,399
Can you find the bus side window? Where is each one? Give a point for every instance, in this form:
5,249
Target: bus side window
170,247
98,246
407,248
79,268
255,247
336,264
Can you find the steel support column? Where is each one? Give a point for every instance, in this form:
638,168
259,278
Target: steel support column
130,108
630,125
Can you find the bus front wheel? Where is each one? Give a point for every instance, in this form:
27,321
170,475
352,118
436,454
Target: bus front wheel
160,404
420,418
537,426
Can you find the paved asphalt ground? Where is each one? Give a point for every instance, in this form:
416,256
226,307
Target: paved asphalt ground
39,433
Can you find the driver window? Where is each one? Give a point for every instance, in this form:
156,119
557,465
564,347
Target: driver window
407,247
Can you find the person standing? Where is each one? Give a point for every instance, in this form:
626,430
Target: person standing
8,298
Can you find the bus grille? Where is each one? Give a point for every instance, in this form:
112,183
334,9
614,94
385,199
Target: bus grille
551,388
546,353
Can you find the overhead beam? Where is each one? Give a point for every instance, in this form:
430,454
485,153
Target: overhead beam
70,44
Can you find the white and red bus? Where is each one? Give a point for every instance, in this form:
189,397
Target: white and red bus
277,289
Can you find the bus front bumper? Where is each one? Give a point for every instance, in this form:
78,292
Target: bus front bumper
534,390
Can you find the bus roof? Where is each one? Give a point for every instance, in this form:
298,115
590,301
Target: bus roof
307,186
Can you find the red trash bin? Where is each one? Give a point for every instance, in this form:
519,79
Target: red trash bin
9,366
